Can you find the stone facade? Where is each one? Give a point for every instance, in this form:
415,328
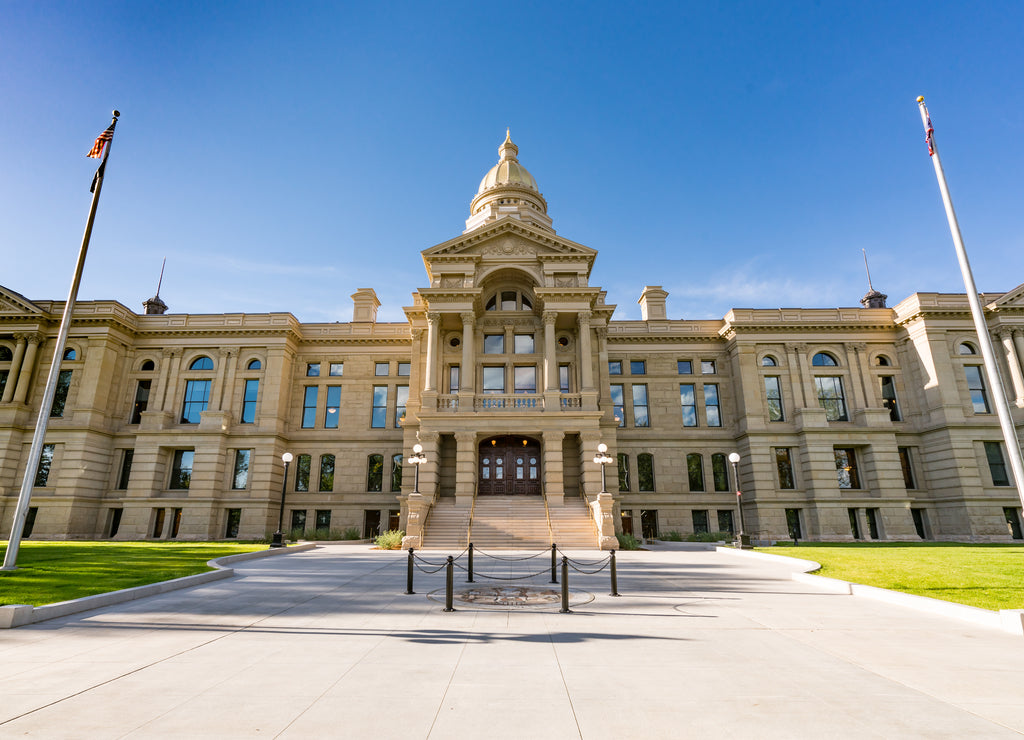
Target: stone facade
849,422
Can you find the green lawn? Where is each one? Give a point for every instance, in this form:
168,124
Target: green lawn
49,572
986,576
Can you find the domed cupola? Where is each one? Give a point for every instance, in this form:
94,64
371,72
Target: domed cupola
508,190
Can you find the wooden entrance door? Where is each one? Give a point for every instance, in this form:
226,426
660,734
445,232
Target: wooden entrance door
509,466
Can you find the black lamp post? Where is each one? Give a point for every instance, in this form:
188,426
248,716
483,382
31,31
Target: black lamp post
416,459
278,540
602,458
734,458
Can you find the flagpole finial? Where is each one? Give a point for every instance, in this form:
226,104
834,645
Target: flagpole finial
920,98
117,113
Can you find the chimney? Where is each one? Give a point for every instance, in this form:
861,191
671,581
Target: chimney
652,303
365,305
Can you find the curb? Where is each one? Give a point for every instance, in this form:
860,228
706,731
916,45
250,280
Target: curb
17,615
1007,620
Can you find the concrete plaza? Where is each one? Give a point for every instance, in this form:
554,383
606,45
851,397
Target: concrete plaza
325,643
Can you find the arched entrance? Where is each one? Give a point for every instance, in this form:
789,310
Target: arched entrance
509,466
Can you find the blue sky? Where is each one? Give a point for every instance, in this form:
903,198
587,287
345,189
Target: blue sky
741,154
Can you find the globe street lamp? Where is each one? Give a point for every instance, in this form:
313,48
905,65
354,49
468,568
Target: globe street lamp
417,459
278,540
602,458
734,458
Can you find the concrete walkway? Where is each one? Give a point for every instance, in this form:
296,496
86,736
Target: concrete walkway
326,644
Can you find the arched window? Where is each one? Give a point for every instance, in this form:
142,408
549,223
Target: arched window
147,366
768,361
254,365
882,361
967,349
201,363
5,354
374,472
824,359
509,300
645,471
69,354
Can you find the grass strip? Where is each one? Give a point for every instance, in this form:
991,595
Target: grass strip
49,572
988,576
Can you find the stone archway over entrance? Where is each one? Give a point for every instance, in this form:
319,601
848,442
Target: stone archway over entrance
509,466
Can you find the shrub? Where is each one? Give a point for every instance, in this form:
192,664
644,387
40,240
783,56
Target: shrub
390,540
709,536
296,534
352,533
672,536
628,542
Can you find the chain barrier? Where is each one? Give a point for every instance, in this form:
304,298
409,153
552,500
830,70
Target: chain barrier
509,560
478,574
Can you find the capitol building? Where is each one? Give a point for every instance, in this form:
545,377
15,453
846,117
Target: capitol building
867,422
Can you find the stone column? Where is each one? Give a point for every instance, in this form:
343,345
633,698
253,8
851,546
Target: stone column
160,391
550,361
433,319
466,372
798,374
25,376
1006,337
1018,343
465,468
226,355
554,486
586,352
857,389
12,378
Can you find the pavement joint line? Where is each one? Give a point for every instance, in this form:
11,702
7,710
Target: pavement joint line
448,685
568,693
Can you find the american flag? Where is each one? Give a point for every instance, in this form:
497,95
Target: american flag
929,139
101,142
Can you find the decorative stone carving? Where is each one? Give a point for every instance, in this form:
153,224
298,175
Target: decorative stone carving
468,317
549,317
451,282
568,281
509,246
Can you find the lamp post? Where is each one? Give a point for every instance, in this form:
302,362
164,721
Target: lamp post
278,540
602,458
417,459
734,458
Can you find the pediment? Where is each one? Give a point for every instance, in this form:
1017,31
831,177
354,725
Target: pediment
11,302
509,238
1010,299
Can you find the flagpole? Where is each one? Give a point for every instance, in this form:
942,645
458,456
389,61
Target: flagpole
43,420
984,339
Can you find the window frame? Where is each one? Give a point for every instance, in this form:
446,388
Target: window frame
695,472
242,466
712,419
641,420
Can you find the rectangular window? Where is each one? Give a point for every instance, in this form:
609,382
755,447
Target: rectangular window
685,367
830,397
688,401
175,523
126,470
381,369
197,396
323,520
615,367
313,370
309,407
920,523
234,520
302,465
649,523
181,469
326,473
874,530
618,405
720,472
695,471
638,367
523,344
379,417
563,378
375,473
494,344
60,397
640,409
240,480
773,395
700,520
889,397
453,379
997,463
252,388
494,379
707,367
45,461
298,523
976,386
332,407
525,378
784,466
623,460
404,369
793,524
337,369
712,411
854,523
401,400
1012,517
3,380
30,521
907,467
645,471
159,515
396,473
725,521
846,467
141,400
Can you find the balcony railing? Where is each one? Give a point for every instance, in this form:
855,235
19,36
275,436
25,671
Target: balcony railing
498,402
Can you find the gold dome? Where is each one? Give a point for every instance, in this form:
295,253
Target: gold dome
508,171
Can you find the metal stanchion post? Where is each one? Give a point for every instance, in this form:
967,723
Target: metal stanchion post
408,575
615,577
565,587
554,566
449,585
470,579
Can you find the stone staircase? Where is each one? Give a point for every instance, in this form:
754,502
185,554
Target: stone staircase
447,526
510,523
572,525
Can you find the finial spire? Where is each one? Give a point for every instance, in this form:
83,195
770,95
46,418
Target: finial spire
508,150
154,305
866,269
873,298
161,280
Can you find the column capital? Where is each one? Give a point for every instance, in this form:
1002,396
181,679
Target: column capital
798,347
583,318
602,332
433,316
857,346
549,317
225,352
553,435
32,337
417,334
468,317
168,352
463,438
1004,332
